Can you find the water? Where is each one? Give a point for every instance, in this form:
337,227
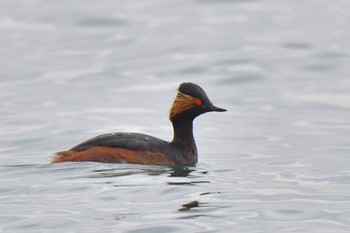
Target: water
277,161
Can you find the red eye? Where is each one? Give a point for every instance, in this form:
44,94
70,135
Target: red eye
198,102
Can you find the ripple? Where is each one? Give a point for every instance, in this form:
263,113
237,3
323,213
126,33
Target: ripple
297,45
237,61
291,164
226,1
102,22
332,55
155,229
192,70
187,182
17,24
241,79
290,215
319,67
165,227
189,206
343,218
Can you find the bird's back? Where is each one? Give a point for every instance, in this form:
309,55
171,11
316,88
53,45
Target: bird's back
120,148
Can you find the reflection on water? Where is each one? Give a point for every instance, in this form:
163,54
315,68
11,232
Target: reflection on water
277,161
189,206
130,169
181,171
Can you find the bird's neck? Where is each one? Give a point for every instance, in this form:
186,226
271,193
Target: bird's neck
183,138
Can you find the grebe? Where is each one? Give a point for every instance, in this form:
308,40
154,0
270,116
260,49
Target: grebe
136,148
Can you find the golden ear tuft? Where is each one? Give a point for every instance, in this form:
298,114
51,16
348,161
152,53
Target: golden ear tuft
182,103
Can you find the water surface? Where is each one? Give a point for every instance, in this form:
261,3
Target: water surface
277,161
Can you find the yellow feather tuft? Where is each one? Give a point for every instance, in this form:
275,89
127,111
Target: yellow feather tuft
182,103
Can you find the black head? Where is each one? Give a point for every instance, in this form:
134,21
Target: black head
190,102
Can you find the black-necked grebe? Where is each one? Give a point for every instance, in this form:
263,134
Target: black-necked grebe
190,102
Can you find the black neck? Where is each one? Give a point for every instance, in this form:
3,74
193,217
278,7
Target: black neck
183,136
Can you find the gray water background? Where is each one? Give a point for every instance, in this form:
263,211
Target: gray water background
277,161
